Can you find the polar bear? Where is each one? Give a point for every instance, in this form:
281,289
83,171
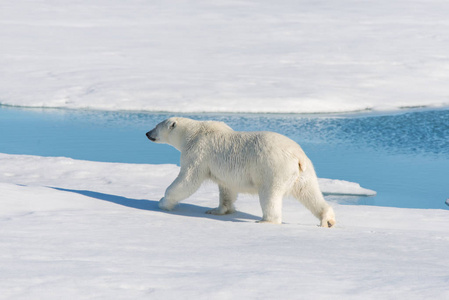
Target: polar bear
264,163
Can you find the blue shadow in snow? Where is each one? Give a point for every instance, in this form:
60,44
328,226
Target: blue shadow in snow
183,209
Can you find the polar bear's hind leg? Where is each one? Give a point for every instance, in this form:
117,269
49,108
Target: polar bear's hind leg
271,203
328,218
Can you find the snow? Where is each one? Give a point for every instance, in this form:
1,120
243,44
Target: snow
232,56
30,170
94,230
343,187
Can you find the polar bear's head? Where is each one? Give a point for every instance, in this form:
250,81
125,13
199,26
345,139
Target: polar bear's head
170,131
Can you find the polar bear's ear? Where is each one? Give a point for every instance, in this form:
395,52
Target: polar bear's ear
173,125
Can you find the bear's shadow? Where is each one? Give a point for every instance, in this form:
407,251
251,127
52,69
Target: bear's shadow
183,209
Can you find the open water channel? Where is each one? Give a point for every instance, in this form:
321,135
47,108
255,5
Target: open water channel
403,155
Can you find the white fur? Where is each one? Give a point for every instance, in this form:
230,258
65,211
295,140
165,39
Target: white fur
264,163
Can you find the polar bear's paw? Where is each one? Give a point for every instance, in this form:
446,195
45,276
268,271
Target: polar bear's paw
165,205
269,222
221,210
328,218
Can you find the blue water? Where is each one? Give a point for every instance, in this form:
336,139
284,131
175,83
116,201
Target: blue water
404,156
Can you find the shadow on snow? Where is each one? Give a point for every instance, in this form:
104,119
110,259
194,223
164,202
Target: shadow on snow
183,209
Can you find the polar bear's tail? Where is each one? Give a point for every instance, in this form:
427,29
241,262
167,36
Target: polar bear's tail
307,191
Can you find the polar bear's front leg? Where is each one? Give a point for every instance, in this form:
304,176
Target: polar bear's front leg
226,206
166,205
187,183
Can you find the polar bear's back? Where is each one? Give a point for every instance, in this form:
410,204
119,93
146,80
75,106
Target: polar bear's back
262,144
246,159
220,143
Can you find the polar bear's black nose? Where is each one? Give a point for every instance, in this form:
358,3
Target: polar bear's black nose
149,136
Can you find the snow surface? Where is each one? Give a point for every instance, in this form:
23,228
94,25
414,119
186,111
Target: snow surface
343,187
90,230
235,56
23,169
